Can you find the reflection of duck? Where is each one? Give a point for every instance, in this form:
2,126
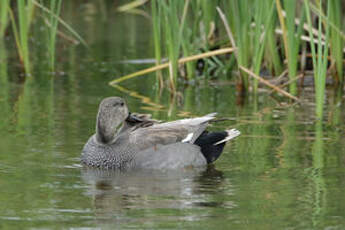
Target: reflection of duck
114,192
145,144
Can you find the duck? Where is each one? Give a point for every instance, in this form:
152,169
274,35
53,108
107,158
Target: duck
123,140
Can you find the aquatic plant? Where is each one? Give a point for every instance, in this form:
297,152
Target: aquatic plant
262,44
291,37
21,30
21,14
55,7
319,57
336,41
4,6
156,28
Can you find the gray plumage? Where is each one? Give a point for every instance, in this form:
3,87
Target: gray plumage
124,141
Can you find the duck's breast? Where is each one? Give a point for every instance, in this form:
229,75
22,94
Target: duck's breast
106,156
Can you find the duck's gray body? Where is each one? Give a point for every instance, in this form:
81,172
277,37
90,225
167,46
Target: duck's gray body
125,156
168,145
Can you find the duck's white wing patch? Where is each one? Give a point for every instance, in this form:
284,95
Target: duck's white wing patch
188,138
232,133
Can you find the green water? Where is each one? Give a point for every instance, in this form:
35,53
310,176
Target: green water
285,171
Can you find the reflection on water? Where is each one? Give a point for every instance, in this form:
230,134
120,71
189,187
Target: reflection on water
171,196
114,193
286,171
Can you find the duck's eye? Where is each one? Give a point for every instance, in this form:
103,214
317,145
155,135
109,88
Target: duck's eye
122,103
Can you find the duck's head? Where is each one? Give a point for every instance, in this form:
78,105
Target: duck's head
112,112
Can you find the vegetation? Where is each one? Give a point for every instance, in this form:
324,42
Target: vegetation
22,14
270,37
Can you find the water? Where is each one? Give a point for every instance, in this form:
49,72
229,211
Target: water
285,171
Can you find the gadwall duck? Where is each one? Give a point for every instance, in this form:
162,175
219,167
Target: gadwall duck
124,141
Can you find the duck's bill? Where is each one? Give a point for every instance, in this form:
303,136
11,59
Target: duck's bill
132,118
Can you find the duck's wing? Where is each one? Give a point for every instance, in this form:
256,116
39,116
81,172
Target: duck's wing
137,120
185,130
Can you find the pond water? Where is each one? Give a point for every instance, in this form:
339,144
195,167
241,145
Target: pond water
286,171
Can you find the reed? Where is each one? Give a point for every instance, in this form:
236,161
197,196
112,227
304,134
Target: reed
166,65
174,18
21,32
74,33
4,7
55,7
171,34
5,92
262,18
186,28
208,19
319,56
156,28
21,15
272,55
239,15
336,41
187,37
291,37
263,33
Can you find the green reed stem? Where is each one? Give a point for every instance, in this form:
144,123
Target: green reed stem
156,22
272,56
320,59
62,22
292,40
4,6
208,9
25,10
240,19
263,18
336,42
55,7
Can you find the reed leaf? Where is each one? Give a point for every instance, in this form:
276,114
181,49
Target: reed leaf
166,65
156,23
62,22
4,7
320,59
291,38
336,42
55,7
240,19
25,12
263,19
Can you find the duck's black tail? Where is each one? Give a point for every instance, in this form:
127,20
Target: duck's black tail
212,143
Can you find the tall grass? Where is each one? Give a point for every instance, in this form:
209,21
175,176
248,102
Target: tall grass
21,30
261,43
264,33
336,41
4,6
319,57
156,28
171,34
239,16
55,7
172,28
291,37
21,14
208,19
263,18
272,56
